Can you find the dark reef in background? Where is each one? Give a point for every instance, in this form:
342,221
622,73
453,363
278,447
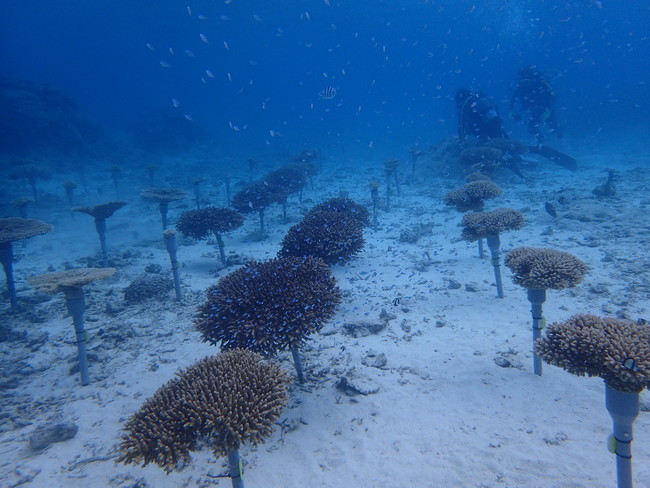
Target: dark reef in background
39,118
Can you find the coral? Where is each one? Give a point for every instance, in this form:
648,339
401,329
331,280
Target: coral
477,225
540,268
14,229
101,211
256,197
616,350
347,207
290,178
163,195
224,401
332,236
70,278
146,287
270,305
200,223
472,195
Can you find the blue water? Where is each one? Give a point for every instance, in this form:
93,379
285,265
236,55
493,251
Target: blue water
395,64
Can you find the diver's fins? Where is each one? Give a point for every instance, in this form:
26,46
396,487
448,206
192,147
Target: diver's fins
554,155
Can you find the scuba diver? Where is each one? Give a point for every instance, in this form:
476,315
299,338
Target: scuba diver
535,95
477,116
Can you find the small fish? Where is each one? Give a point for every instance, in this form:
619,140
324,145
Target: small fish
189,10
188,117
204,38
630,363
209,73
229,76
397,301
150,46
550,209
224,17
201,17
165,64
327,93
226,45
189,53
257,18
176,103
171,51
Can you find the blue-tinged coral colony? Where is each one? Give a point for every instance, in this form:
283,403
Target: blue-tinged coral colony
289,197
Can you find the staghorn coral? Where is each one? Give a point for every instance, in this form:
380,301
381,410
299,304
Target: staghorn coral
347,207
616,350
290,178
200,223
477,225
270,305
472,195
541,268
256,197
226,401
332,236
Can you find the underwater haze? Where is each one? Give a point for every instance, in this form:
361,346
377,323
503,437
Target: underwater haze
250,72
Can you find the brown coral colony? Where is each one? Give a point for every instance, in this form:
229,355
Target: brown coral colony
226,400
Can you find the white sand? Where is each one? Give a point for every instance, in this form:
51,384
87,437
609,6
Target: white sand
445,414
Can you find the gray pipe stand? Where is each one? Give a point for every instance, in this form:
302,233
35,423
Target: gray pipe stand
100,225
236,471
297,361
170,245
7,257
494,243
76,305
537,297
624,409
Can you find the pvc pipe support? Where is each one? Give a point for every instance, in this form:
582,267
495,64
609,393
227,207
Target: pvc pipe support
494,243
624,409
76,305
537,297
7,258
297,361
236,470
170,244
100,225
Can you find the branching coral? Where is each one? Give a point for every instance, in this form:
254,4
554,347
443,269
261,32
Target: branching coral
226,401
346,207
256,197
477,225
540,268
200,223
472,195
616,350
267,306
332,236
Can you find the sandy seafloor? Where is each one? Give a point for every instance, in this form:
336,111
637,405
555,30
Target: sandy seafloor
445,414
